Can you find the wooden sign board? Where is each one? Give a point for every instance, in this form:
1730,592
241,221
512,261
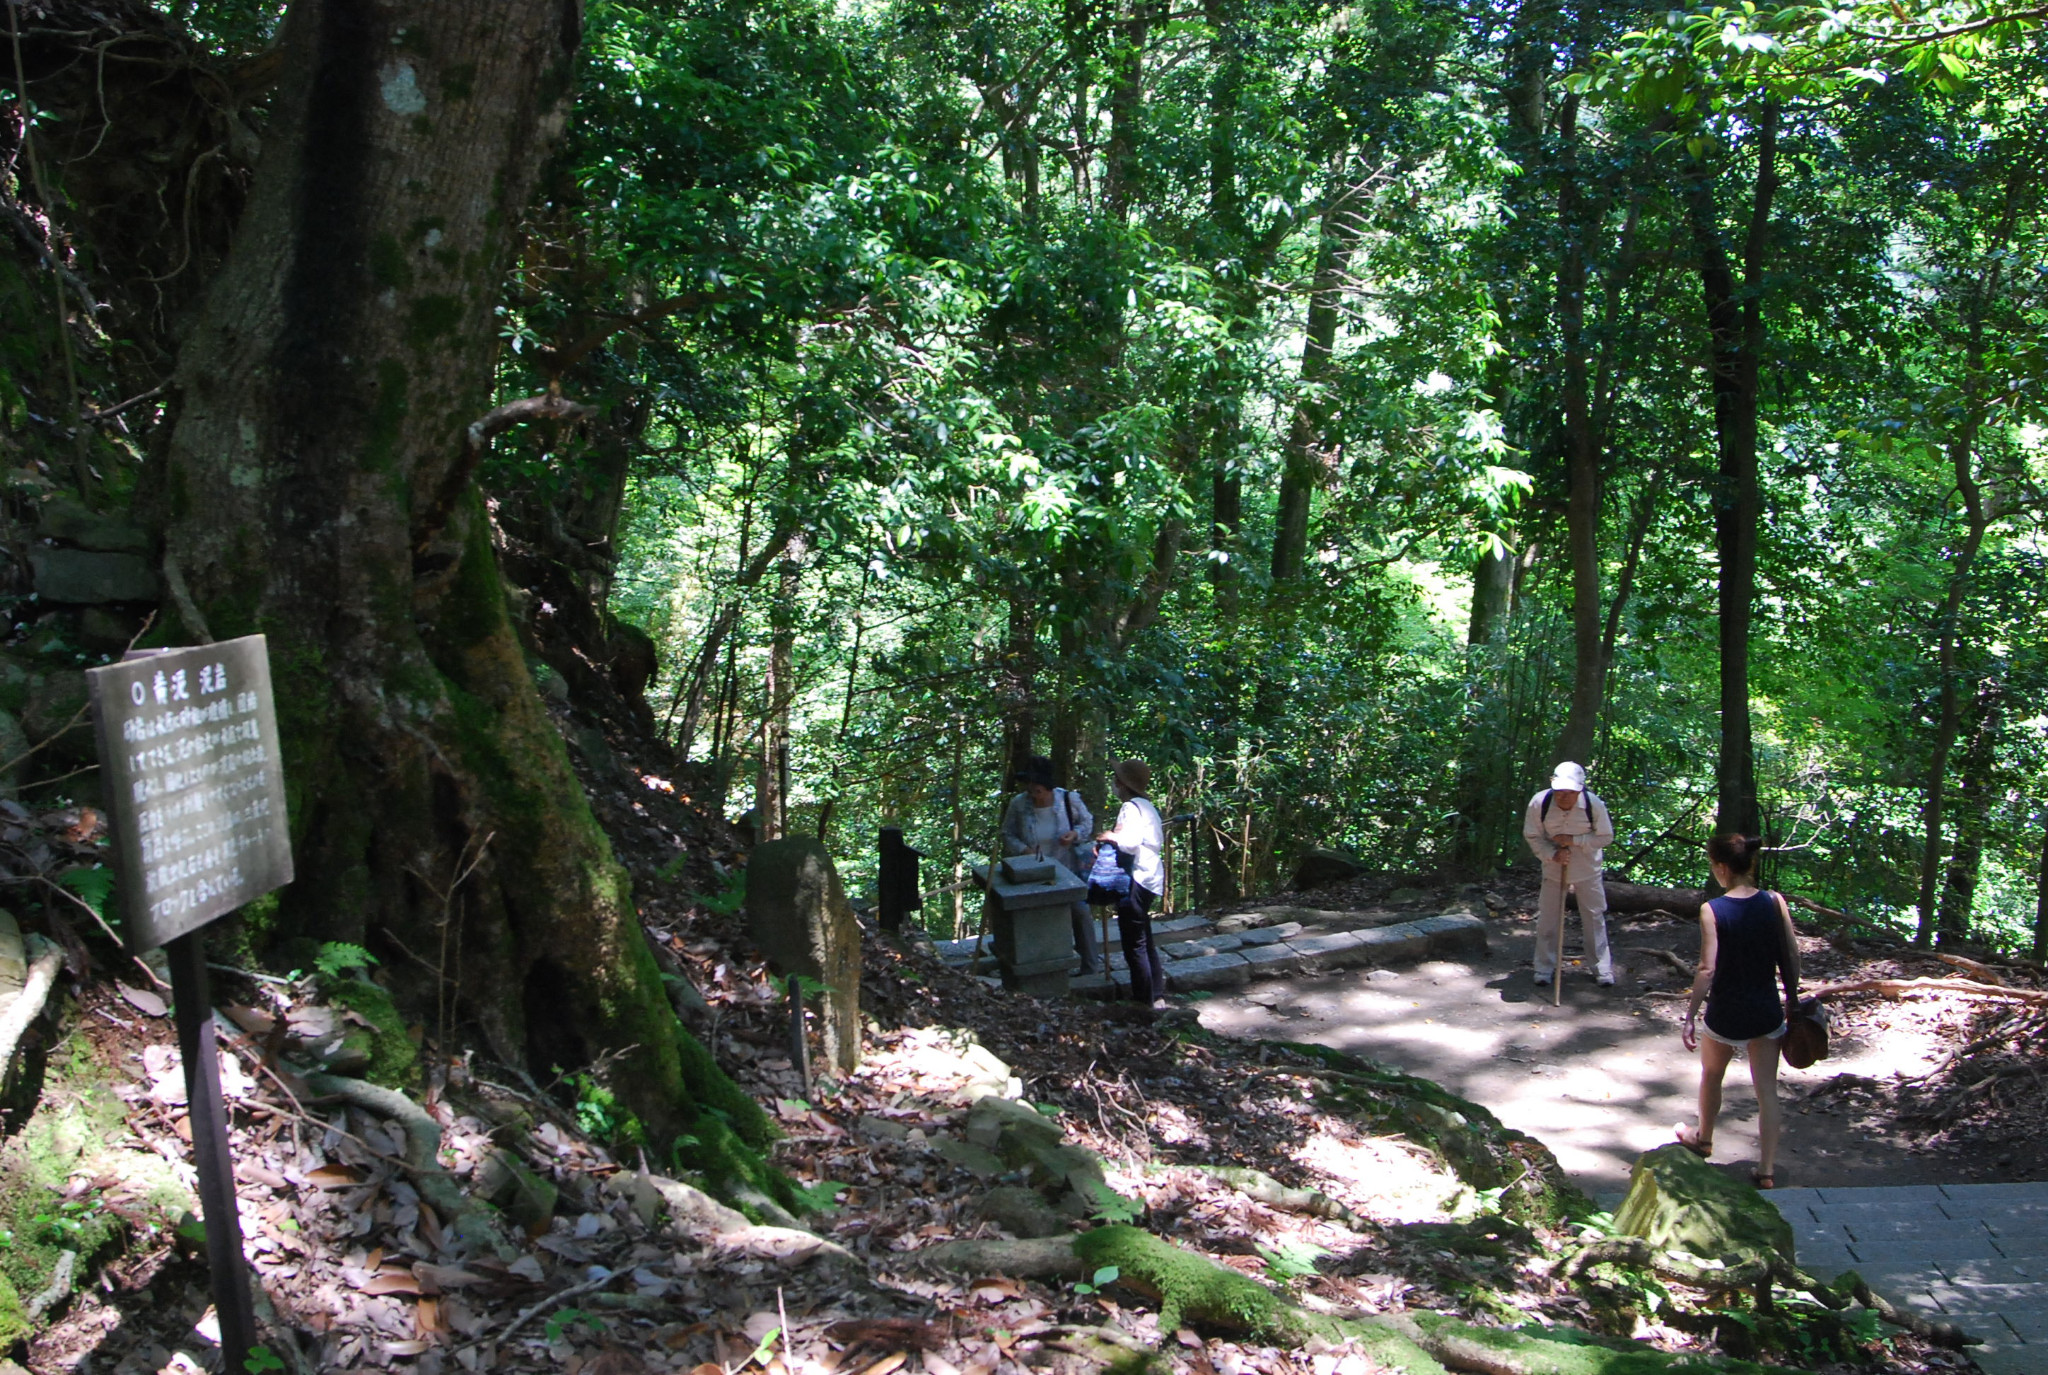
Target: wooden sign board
194,784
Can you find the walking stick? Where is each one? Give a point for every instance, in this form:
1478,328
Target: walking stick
1557,963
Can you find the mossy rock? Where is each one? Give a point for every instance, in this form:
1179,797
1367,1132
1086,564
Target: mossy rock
1678,1202
393,1058
14,1320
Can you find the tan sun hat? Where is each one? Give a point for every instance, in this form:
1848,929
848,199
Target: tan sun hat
1135,774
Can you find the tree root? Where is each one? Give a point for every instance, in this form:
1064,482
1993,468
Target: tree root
422,1157
710,1223
1261,1187
59,1287
28,1004
1678,963
1677,1265
1195,1291
1900,988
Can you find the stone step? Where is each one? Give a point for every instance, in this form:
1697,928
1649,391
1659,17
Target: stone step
1202,966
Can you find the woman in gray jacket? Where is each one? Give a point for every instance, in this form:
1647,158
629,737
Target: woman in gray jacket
1053,823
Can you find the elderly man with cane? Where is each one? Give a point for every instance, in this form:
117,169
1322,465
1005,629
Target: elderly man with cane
1567,828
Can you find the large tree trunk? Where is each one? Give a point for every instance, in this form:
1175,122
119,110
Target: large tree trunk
1735,323
316,489
2041,896
1305,439
1582,452
1977,516
1973,798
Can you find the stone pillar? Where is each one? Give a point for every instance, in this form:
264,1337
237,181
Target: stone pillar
798,915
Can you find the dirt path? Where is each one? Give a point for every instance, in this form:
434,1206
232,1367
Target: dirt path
1603,1077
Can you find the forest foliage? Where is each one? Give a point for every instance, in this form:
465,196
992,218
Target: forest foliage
1349,407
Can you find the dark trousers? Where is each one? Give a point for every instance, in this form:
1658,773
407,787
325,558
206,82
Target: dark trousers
1084,937
1141,954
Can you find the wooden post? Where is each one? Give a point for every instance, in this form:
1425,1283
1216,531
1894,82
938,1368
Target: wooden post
207,1116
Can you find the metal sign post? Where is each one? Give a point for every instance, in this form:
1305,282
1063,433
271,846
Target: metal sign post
195,794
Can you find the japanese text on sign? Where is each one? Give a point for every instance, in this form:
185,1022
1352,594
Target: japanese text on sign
188,743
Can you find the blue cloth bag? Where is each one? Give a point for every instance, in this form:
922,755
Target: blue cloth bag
1108,879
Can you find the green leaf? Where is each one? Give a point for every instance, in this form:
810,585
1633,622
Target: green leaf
93,886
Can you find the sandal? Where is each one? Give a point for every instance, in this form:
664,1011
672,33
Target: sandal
1763,1181
1690,1139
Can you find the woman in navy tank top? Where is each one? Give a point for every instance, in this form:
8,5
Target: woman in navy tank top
1747,945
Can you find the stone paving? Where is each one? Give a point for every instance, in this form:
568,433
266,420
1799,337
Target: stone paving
1274,942
1975,1255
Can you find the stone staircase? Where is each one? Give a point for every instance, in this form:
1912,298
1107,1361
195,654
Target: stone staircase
1206,953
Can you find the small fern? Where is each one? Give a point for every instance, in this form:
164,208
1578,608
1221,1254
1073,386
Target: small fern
336,958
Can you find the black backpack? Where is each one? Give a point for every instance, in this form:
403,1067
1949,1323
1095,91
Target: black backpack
1591,816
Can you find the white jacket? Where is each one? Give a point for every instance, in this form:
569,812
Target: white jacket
1589,827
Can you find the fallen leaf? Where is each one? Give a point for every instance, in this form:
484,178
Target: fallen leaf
426,1315
142,1000
333,1177
887,1364
760,1324
434,1278
406,1348
391,1282
253,1020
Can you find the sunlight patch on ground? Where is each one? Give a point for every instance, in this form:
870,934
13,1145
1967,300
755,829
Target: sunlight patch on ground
1383,1177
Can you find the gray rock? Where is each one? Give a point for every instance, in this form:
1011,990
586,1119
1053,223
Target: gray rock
1267,960
1022,1213
1677,1201
1011,1129
1242,921
67,518
104,630
982,1164
1454,934
82,577
525,1197
1382,976
1393,944
798,915
1200,946
54,700
1319,866
1271,935
1209,972
1337,949
882,1127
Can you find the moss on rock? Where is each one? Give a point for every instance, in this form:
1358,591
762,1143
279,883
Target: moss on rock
14,1320
393,1058
1478,1148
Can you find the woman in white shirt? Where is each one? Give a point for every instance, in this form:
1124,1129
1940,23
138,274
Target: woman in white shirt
1139,838
1053,823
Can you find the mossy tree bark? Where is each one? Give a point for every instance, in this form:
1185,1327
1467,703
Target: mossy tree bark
316,489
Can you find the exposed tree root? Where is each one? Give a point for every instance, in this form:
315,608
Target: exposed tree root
1260,1187
28,1004
1900,988
1676,1265
1194,1291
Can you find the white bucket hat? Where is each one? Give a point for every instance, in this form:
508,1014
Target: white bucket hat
1568,777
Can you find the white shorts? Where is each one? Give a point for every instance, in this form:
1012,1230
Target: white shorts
1713,1035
